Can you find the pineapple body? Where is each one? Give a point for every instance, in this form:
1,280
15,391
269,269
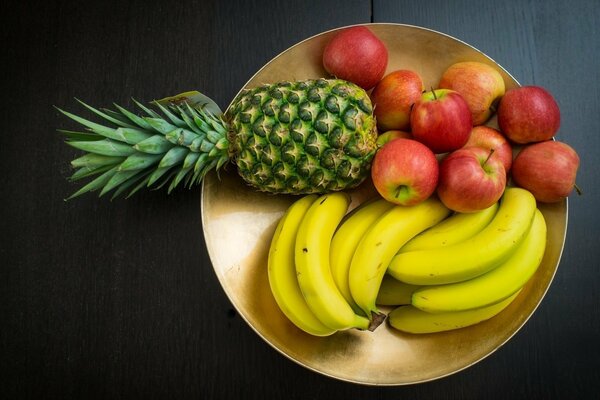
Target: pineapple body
303,137
310,136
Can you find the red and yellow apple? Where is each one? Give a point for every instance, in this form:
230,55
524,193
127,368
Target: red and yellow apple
528,114
441,120
547,169
491,139
481,85
393,97
388,136
355,54
405,172
470,180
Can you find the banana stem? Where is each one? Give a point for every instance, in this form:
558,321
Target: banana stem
376,320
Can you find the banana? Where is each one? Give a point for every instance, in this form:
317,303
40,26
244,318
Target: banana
412,320
493,286
474,256
392,292
312,263
282,271
454,229
346,239
382,241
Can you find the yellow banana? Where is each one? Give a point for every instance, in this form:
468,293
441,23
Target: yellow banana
412,320
493,286
392,292
379,244
346,239
454,229
312,263
282,271
474,256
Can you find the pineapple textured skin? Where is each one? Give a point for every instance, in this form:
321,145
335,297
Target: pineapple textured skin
311,136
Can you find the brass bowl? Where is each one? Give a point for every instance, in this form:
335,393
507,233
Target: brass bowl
238,224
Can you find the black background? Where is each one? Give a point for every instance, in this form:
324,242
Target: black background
118,299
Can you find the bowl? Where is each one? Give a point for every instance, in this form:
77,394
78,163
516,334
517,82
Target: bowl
239,222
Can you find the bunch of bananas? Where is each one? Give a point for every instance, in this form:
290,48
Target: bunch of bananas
329,270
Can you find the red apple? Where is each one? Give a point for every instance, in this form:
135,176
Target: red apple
528,114
393,97
492,139
355,54
470,180
547,169
388,136
405,172
481,86
441,120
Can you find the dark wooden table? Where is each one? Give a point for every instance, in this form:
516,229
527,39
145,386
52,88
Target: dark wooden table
118,299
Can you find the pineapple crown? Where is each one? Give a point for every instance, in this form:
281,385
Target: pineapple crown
149,150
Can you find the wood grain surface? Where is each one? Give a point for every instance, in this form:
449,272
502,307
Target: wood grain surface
117,299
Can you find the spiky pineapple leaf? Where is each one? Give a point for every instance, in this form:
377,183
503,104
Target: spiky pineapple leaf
95,160
178,178
160,125
150,149
132,135
96,184
194,98
149,111
156,144
117,179
174,156
96,128
84,172
107,117
81,136
139,161
157,174
141,184
105,147
189,121
172,117
139,121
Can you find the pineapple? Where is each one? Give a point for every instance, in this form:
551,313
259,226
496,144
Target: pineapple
311,136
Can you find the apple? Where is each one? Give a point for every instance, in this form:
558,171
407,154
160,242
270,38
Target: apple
470,180
528,114
492,139
405,172
547,169
355,54
393,98
480,85
441,120
390,135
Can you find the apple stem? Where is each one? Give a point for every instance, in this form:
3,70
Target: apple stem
578,189
433,93
488,157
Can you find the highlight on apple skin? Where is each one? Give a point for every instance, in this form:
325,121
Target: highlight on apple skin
492,139
470,180
547,169
441,120
355,54
481,85
393,98
405,172
528,114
